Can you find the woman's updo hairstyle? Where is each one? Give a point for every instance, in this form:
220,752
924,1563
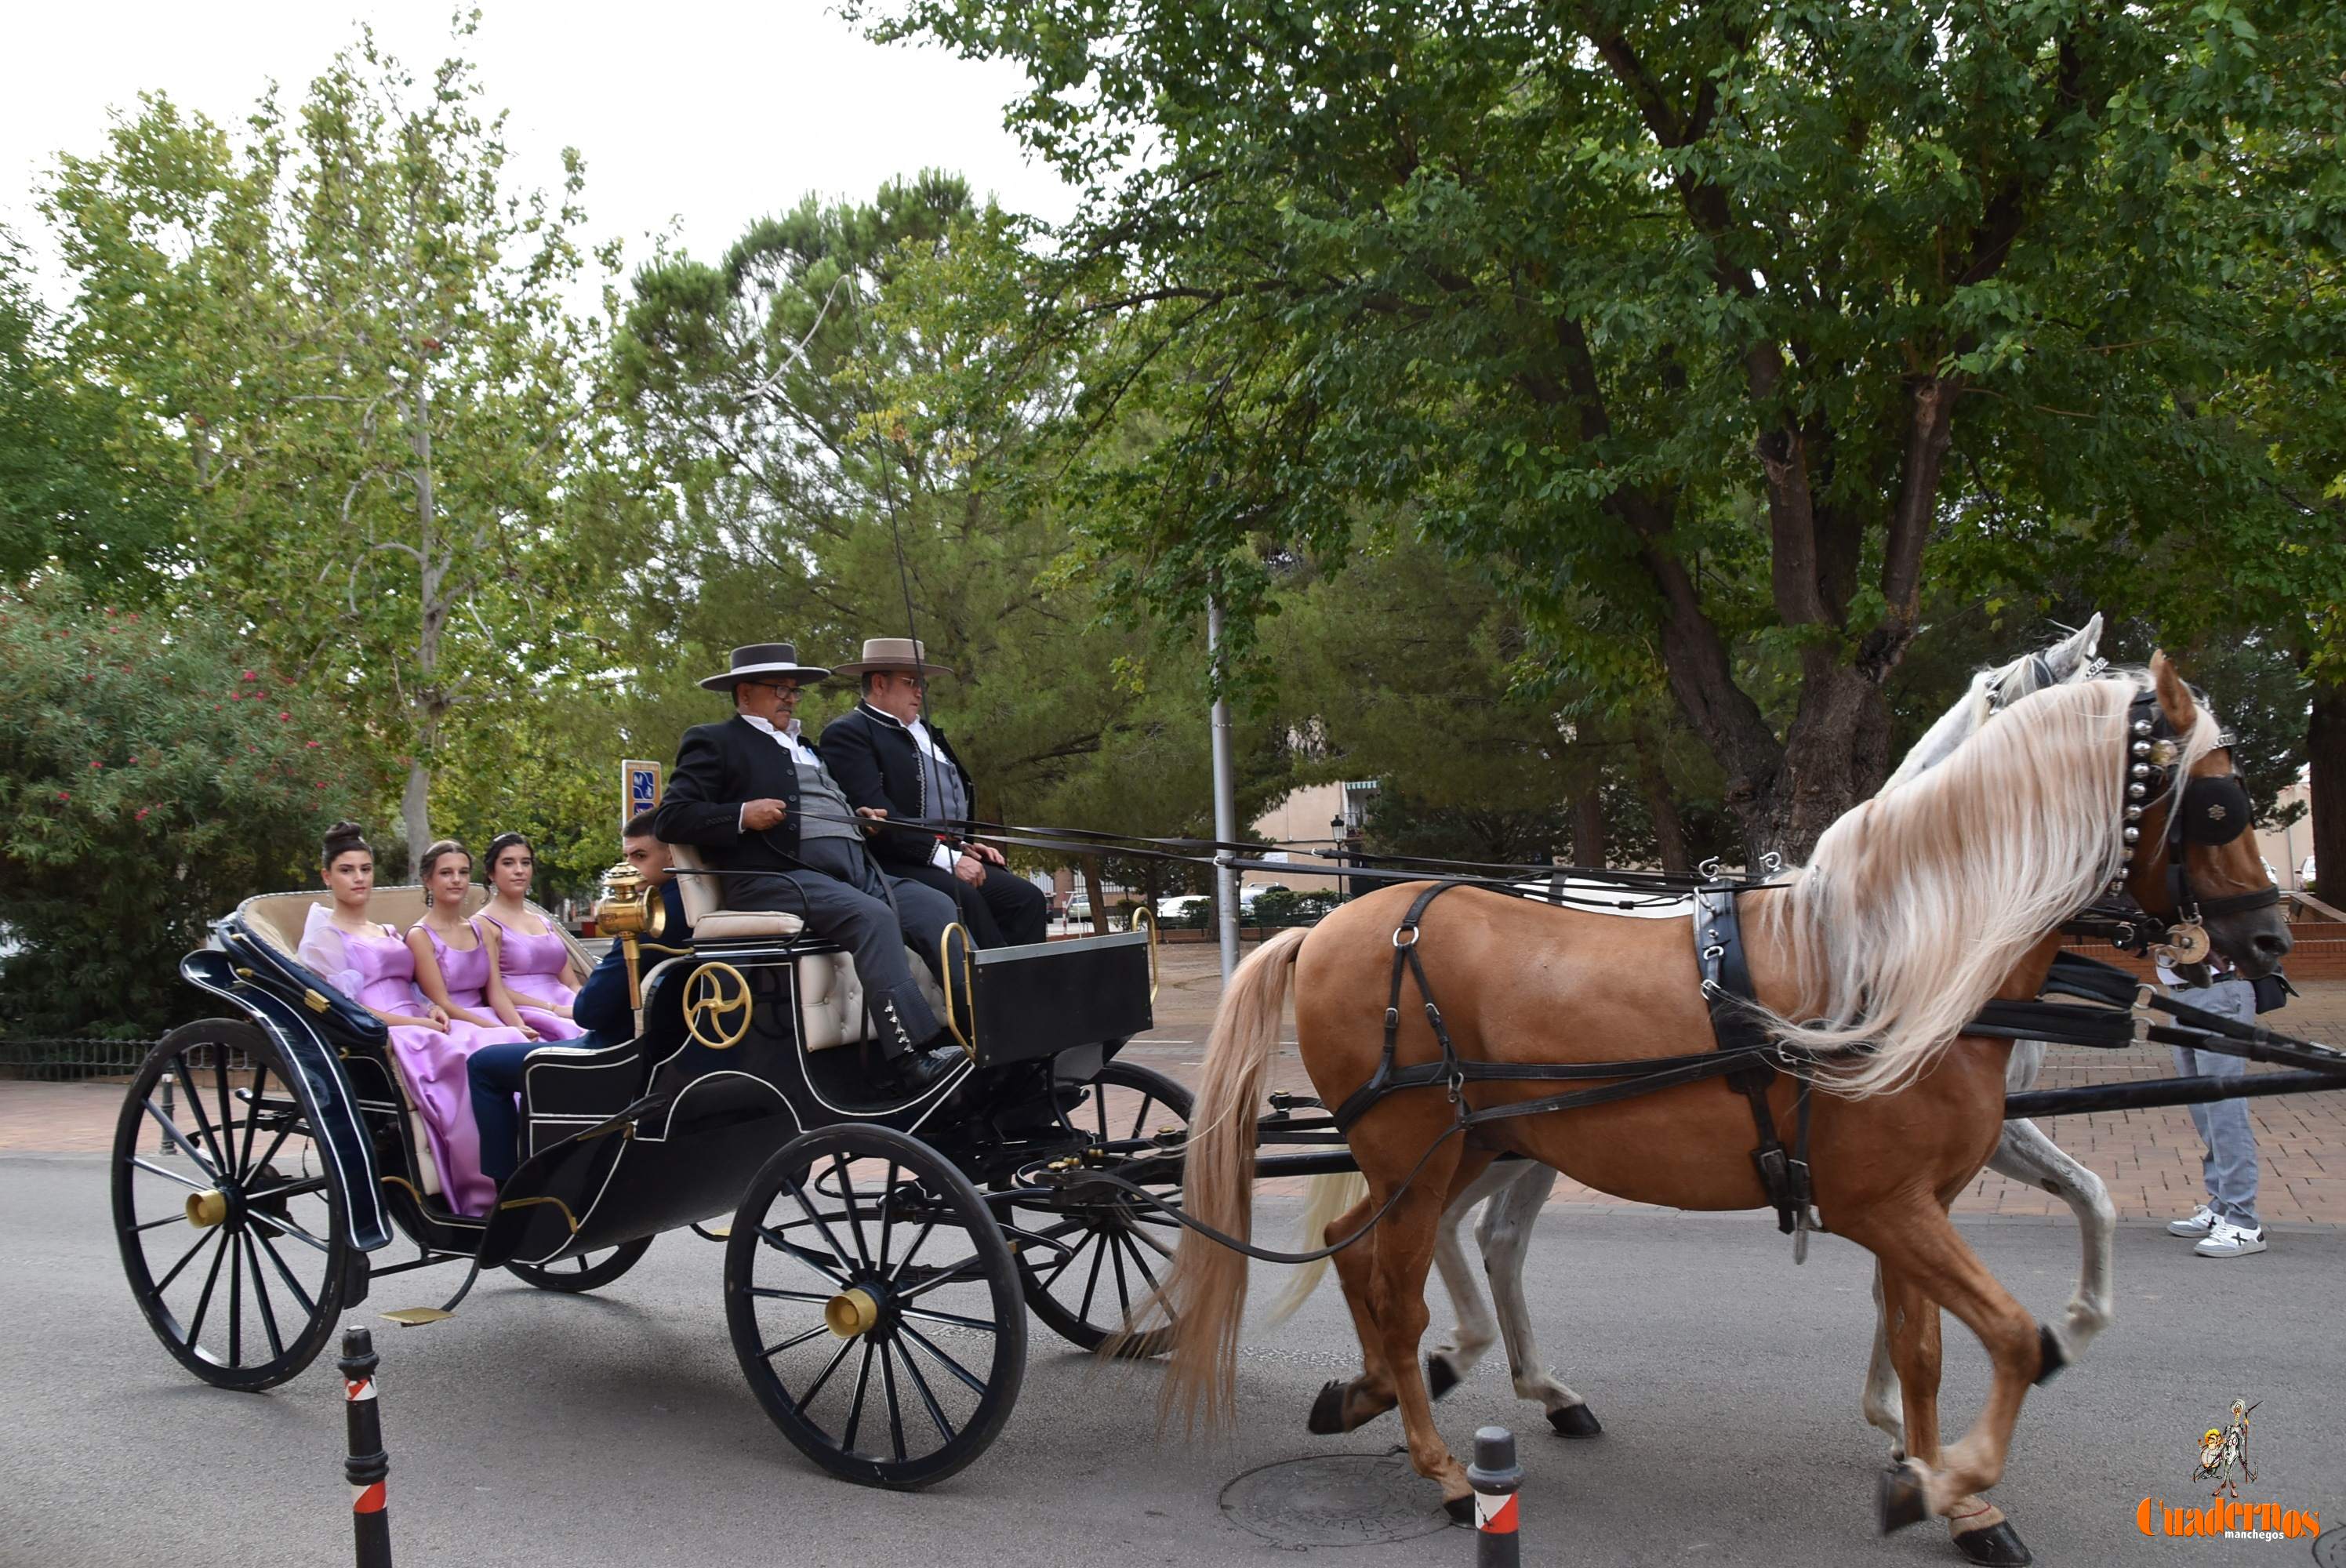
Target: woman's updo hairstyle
432,857
342,838
500,844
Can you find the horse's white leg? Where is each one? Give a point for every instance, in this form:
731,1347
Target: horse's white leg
1884,1401
2025,1154
1504,1232
1473,1333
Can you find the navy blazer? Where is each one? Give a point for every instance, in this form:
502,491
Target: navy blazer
718,768
601,1004
878,763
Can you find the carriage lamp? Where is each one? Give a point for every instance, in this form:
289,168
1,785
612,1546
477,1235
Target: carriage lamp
628,909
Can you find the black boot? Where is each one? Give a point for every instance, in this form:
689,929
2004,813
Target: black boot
914,1072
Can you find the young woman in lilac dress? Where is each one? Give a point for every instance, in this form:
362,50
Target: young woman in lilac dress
373,965
453,956
531,955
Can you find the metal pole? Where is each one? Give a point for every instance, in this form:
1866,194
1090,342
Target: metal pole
368,1467
1226,807
1496,1476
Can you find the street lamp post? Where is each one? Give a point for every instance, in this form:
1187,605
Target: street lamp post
1336,836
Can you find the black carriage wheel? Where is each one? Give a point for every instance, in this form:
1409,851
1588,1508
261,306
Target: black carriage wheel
874,1307
1115,1251
230,1219
588,1271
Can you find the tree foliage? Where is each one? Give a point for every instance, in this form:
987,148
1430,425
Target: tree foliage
152,774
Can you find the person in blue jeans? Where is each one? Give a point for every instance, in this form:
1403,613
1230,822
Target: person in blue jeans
602,1008
2225,1225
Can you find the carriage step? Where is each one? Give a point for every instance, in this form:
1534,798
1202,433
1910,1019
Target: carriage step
417,1317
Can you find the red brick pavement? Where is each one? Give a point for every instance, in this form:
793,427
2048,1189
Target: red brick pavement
2150,1159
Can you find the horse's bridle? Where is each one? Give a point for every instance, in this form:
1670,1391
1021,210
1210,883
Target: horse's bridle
2208,811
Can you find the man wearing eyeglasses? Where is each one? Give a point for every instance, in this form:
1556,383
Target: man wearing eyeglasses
754,797
894,765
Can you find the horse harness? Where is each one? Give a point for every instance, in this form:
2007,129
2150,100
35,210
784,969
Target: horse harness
1745,1056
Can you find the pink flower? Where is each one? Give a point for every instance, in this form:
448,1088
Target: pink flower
311,746
322,783
62,796
142,815
250,676
284,716
96,765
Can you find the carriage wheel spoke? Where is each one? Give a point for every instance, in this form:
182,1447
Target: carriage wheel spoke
195,1098
887,1218
1141,1116
171,1131
982,1325
918,1242
1123,1288
204,1303
284,1227
286,1274
1091,1286
854,1219
816,1387
943,1276
936,1411
771,1351
1090,1235
955,1368
777,1293
251,1121
1099,1109
184,1258
895,1405
227,1103
291,1189
235,1303
292,1124
855,1408
822,1228
261,1299
1136,1238
814,1260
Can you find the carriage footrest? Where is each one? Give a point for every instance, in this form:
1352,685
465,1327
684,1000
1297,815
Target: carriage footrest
417,1317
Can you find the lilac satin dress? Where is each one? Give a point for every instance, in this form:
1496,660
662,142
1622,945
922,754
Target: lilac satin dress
532,966
467,974
379,972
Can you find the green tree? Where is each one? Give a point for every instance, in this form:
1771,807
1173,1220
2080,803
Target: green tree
152,774
1726,318
351,336
70,498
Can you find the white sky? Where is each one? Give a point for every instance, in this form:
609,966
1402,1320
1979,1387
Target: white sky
701,115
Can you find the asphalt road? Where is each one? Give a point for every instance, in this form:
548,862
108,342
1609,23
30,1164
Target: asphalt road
537,1429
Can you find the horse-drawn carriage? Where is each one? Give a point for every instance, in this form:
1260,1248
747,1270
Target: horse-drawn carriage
880,1255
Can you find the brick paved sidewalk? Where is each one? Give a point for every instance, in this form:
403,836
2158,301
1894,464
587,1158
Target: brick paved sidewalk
2149,1158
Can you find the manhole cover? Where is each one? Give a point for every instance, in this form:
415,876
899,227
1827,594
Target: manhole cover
1336,1500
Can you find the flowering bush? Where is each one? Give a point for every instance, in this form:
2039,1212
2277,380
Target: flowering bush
149,779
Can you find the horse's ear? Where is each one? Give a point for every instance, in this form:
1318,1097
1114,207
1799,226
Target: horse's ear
2076,650
2175,698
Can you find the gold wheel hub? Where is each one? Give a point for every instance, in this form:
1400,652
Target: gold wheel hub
850,1312
207,1208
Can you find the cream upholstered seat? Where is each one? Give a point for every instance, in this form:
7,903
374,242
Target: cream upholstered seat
831,993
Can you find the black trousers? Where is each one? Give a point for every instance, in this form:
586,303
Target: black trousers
1007,910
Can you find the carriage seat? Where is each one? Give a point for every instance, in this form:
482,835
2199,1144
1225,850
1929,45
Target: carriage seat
830,994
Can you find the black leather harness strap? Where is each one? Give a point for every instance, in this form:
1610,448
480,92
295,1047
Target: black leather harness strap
1735,1022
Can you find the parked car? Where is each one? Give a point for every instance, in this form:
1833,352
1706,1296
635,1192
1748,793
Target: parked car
1246,895
1180,905
1079,907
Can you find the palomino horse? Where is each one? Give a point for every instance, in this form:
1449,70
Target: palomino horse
1918,908
1513,1192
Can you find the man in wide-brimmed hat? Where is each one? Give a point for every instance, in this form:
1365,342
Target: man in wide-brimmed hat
754,797
892,762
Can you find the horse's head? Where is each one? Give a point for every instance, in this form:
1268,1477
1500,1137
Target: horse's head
2194,853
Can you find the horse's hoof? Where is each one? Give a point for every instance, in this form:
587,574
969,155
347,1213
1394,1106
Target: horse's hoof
1995,1544
1441,1377
1328,1411
1575,1421
1460,1508
1899,1500
2051,1357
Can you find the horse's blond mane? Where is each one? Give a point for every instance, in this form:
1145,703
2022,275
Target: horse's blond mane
1920,903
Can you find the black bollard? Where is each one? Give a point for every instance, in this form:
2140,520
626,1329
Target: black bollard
368,1466
1494,1475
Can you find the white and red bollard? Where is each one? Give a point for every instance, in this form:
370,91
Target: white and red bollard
1494,1475
368,1467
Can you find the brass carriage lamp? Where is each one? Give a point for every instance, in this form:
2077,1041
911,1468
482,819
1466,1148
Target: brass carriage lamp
629,909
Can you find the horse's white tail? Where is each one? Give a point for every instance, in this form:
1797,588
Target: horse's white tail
1331,1196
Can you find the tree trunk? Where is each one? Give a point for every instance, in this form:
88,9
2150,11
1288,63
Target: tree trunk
1670,828
415,815
1836,754
1097,890
1588,828
2325,750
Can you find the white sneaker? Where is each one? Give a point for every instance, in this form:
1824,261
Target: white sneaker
2230,1240
2202,1221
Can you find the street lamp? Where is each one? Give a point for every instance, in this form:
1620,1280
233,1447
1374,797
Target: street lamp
1336,833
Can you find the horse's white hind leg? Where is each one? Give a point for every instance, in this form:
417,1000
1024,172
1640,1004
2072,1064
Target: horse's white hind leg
1884,1401
2025,1154
1504,1232
1473,1331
